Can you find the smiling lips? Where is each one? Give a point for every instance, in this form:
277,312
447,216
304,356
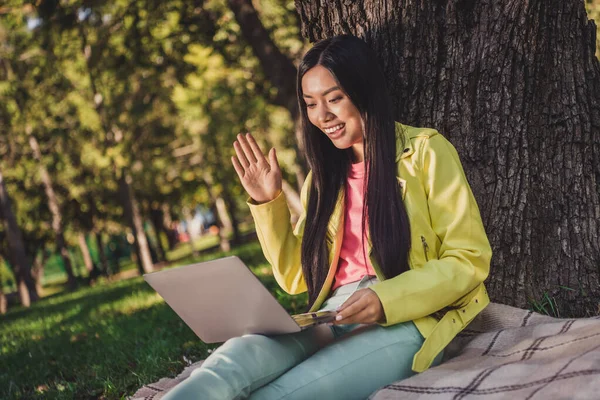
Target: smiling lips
333,129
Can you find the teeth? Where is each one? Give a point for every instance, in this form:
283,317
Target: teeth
335,128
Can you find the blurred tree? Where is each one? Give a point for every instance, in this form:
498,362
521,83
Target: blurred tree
54,206
93,85
22,269
278,68
516,87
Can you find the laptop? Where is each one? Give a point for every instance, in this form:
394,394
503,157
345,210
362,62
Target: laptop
222,299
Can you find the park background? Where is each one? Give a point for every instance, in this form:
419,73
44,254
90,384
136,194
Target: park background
117,121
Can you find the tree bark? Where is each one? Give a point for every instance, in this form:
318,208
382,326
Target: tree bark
21,268
515,86
57,225
133,215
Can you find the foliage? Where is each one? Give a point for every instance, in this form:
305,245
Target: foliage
593,9
114,87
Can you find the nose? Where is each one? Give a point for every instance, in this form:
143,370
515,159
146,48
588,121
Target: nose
324,114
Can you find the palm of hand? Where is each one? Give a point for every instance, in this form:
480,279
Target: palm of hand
259,177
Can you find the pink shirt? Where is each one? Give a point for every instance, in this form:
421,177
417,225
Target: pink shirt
351,266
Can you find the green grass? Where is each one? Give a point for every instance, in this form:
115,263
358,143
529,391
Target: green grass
105,341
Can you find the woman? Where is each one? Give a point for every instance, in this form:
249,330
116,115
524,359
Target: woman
391,237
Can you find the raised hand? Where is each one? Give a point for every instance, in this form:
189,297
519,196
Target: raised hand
260,177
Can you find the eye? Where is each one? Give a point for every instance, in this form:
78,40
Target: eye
335,100
310,105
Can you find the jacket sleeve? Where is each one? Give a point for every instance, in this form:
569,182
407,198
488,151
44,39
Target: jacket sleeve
464,257
281,244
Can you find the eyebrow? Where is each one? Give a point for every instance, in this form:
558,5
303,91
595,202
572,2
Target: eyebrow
325,93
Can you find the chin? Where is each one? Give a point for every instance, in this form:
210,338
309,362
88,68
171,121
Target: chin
341,144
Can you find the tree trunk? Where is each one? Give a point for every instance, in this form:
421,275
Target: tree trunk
226,225
187,214
101,253
157,218
21,268
232,208
85,252
132,213
3,303
54,207
515,86
168,226
37,270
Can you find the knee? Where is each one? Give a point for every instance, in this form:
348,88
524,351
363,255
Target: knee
244,344
237,350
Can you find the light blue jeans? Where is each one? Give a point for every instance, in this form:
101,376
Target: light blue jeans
326,362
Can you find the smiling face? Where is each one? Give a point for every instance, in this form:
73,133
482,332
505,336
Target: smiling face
332,111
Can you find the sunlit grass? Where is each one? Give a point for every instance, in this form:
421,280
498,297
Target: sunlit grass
106,341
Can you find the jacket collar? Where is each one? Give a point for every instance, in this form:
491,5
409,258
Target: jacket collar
403,149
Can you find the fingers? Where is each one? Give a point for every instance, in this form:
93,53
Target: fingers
243,141
256,150
241,155
362,307
238,167
350,311
350,300
273,160
362,317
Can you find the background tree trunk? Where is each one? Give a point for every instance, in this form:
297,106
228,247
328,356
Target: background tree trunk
132,212
21,269
515,86
157,218
37,269
57,225
226,226
167,223
187,214
101,253
85,252
3,302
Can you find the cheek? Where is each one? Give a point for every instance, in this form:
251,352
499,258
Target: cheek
312,118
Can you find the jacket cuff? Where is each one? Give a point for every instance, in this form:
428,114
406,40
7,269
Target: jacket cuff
277,205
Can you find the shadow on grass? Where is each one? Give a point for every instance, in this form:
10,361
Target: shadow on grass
109,291
106,341
249,253
89,356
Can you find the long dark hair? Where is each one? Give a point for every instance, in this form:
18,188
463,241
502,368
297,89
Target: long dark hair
355,69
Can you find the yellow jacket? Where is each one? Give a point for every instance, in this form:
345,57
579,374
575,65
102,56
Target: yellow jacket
449,257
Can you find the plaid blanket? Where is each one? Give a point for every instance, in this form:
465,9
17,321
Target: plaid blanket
505,352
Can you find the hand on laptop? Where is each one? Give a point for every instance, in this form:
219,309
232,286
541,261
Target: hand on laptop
363,307
260,177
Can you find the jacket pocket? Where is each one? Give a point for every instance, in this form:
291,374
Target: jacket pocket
425,248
